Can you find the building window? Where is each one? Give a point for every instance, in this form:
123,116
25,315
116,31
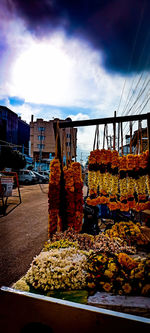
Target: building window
68,144
68,135
41,137
41,128
40,146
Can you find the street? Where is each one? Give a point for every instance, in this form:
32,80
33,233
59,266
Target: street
23,232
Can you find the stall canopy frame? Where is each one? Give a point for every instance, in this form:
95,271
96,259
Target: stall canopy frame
110,120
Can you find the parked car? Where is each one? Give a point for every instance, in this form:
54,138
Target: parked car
26,177
45,173
40,178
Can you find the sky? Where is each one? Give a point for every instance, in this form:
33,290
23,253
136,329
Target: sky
82,59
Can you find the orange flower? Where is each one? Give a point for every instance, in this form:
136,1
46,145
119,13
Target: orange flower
126,261
115,159
123,163
124,207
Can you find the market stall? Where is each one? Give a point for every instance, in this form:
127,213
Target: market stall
115,260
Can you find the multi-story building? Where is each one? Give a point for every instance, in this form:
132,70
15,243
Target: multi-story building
13,130
42,139
142,138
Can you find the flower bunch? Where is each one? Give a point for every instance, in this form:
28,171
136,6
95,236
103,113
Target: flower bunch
119,274
54,220
114,159
98,243
112,178
132,161
98,157
58,269
93,182
124,206
140,277
78,195
21,285
102,271
69,195
62,243
128,231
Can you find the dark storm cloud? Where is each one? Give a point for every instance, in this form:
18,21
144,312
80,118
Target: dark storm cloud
118,28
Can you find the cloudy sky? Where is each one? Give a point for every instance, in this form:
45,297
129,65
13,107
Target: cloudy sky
80,59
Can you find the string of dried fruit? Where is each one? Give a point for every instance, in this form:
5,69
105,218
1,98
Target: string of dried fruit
78,195
69,195
54,220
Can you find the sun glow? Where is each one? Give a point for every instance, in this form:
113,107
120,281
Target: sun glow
42,73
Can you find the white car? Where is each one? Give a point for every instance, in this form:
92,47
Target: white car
26,177
45,173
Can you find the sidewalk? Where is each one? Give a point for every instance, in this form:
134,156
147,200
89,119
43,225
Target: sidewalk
23,232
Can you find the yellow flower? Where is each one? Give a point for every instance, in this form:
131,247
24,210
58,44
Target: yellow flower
127,288
139,275
113,267
107,286
145,289
91,284
108,273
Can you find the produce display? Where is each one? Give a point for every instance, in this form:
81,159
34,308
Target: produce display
120,182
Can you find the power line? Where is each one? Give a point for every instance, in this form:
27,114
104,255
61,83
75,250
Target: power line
132,52
138,68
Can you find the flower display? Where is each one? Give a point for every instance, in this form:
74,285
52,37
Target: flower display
58,269
62,243
69,195
21,285
74,195
100,243
120,182
119,274
78,195
128,231
54,220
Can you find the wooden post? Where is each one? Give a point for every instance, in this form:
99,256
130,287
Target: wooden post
121,139
118,136
130,137
114,130
148,131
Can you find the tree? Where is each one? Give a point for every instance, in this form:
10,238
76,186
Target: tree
10,158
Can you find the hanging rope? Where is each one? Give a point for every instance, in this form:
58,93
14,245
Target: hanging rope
96,138
121,139
118,137
130,137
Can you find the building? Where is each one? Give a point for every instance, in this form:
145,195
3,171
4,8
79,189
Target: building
126,146
143,139
143,142
13,130
42,140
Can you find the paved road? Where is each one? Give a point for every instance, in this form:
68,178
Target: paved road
23,232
